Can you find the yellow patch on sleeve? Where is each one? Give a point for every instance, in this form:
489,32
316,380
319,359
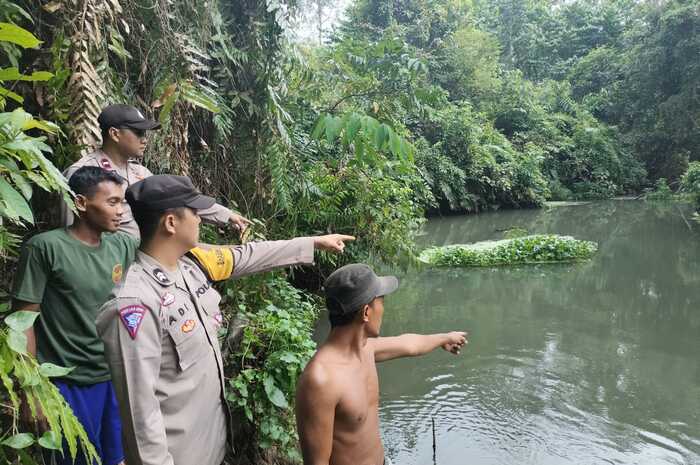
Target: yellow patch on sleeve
217,262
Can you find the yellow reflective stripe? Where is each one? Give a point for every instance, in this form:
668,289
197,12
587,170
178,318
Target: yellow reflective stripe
218,262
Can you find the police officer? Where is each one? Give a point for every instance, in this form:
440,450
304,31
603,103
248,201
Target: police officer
159,328
124,130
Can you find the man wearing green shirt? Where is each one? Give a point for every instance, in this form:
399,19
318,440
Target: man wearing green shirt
67,274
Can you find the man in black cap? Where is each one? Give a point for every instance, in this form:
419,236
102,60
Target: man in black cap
337,401
124,130
160,326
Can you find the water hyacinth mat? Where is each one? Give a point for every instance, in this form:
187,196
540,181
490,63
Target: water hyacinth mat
539,248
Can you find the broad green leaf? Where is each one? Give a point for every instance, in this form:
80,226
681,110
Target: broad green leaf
13,74
168,107
333,127
15,205
50,370
198,98
319,127
15,118
359,148
39,180
47,126
25,458
50,440
395,144
19,441
22,184
353,126
21,320
17,341
380,136
275,395
8,93
18,35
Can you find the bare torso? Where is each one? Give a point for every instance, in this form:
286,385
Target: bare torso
356,439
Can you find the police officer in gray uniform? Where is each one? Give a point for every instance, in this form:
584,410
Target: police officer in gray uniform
124,130
159,326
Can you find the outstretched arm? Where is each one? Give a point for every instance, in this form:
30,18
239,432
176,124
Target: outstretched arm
412,345
234,261
315,412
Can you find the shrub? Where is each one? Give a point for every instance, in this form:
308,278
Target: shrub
690,182
274,350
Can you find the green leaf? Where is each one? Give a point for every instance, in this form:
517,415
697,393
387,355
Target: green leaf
333,127
17,341
25,458
395,144
168,107
18,35
353,126
13,74
8,93
15,205
198,98
51,440
21,320
274,394
22,184
50,370
319,127
47,126
19,441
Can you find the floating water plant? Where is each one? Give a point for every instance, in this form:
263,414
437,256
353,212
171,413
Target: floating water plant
539,248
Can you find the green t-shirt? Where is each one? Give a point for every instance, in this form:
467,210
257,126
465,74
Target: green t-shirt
71,280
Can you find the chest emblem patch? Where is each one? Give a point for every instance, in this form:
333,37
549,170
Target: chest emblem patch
188,326
168,299
132,316
117,272
160,276
104,163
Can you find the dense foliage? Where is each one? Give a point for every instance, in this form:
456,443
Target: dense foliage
274,348
539,248
409,106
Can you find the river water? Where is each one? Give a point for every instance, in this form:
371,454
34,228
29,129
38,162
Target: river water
591,363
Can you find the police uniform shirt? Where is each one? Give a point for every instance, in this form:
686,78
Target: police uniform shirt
134,172
159,331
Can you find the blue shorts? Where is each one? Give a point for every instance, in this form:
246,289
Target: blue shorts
96,408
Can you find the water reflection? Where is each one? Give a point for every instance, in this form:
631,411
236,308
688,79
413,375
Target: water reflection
594,363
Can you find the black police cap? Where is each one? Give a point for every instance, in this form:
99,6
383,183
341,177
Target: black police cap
161,192
125,116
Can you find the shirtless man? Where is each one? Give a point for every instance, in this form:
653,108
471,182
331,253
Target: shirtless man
337,400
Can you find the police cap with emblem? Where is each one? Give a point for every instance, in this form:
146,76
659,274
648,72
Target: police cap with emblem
125,116
162,191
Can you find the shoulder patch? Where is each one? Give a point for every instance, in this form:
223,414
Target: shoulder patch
217,263
132,317
117,272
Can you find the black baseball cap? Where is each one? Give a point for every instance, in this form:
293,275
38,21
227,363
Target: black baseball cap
348,288
162,191
125,116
